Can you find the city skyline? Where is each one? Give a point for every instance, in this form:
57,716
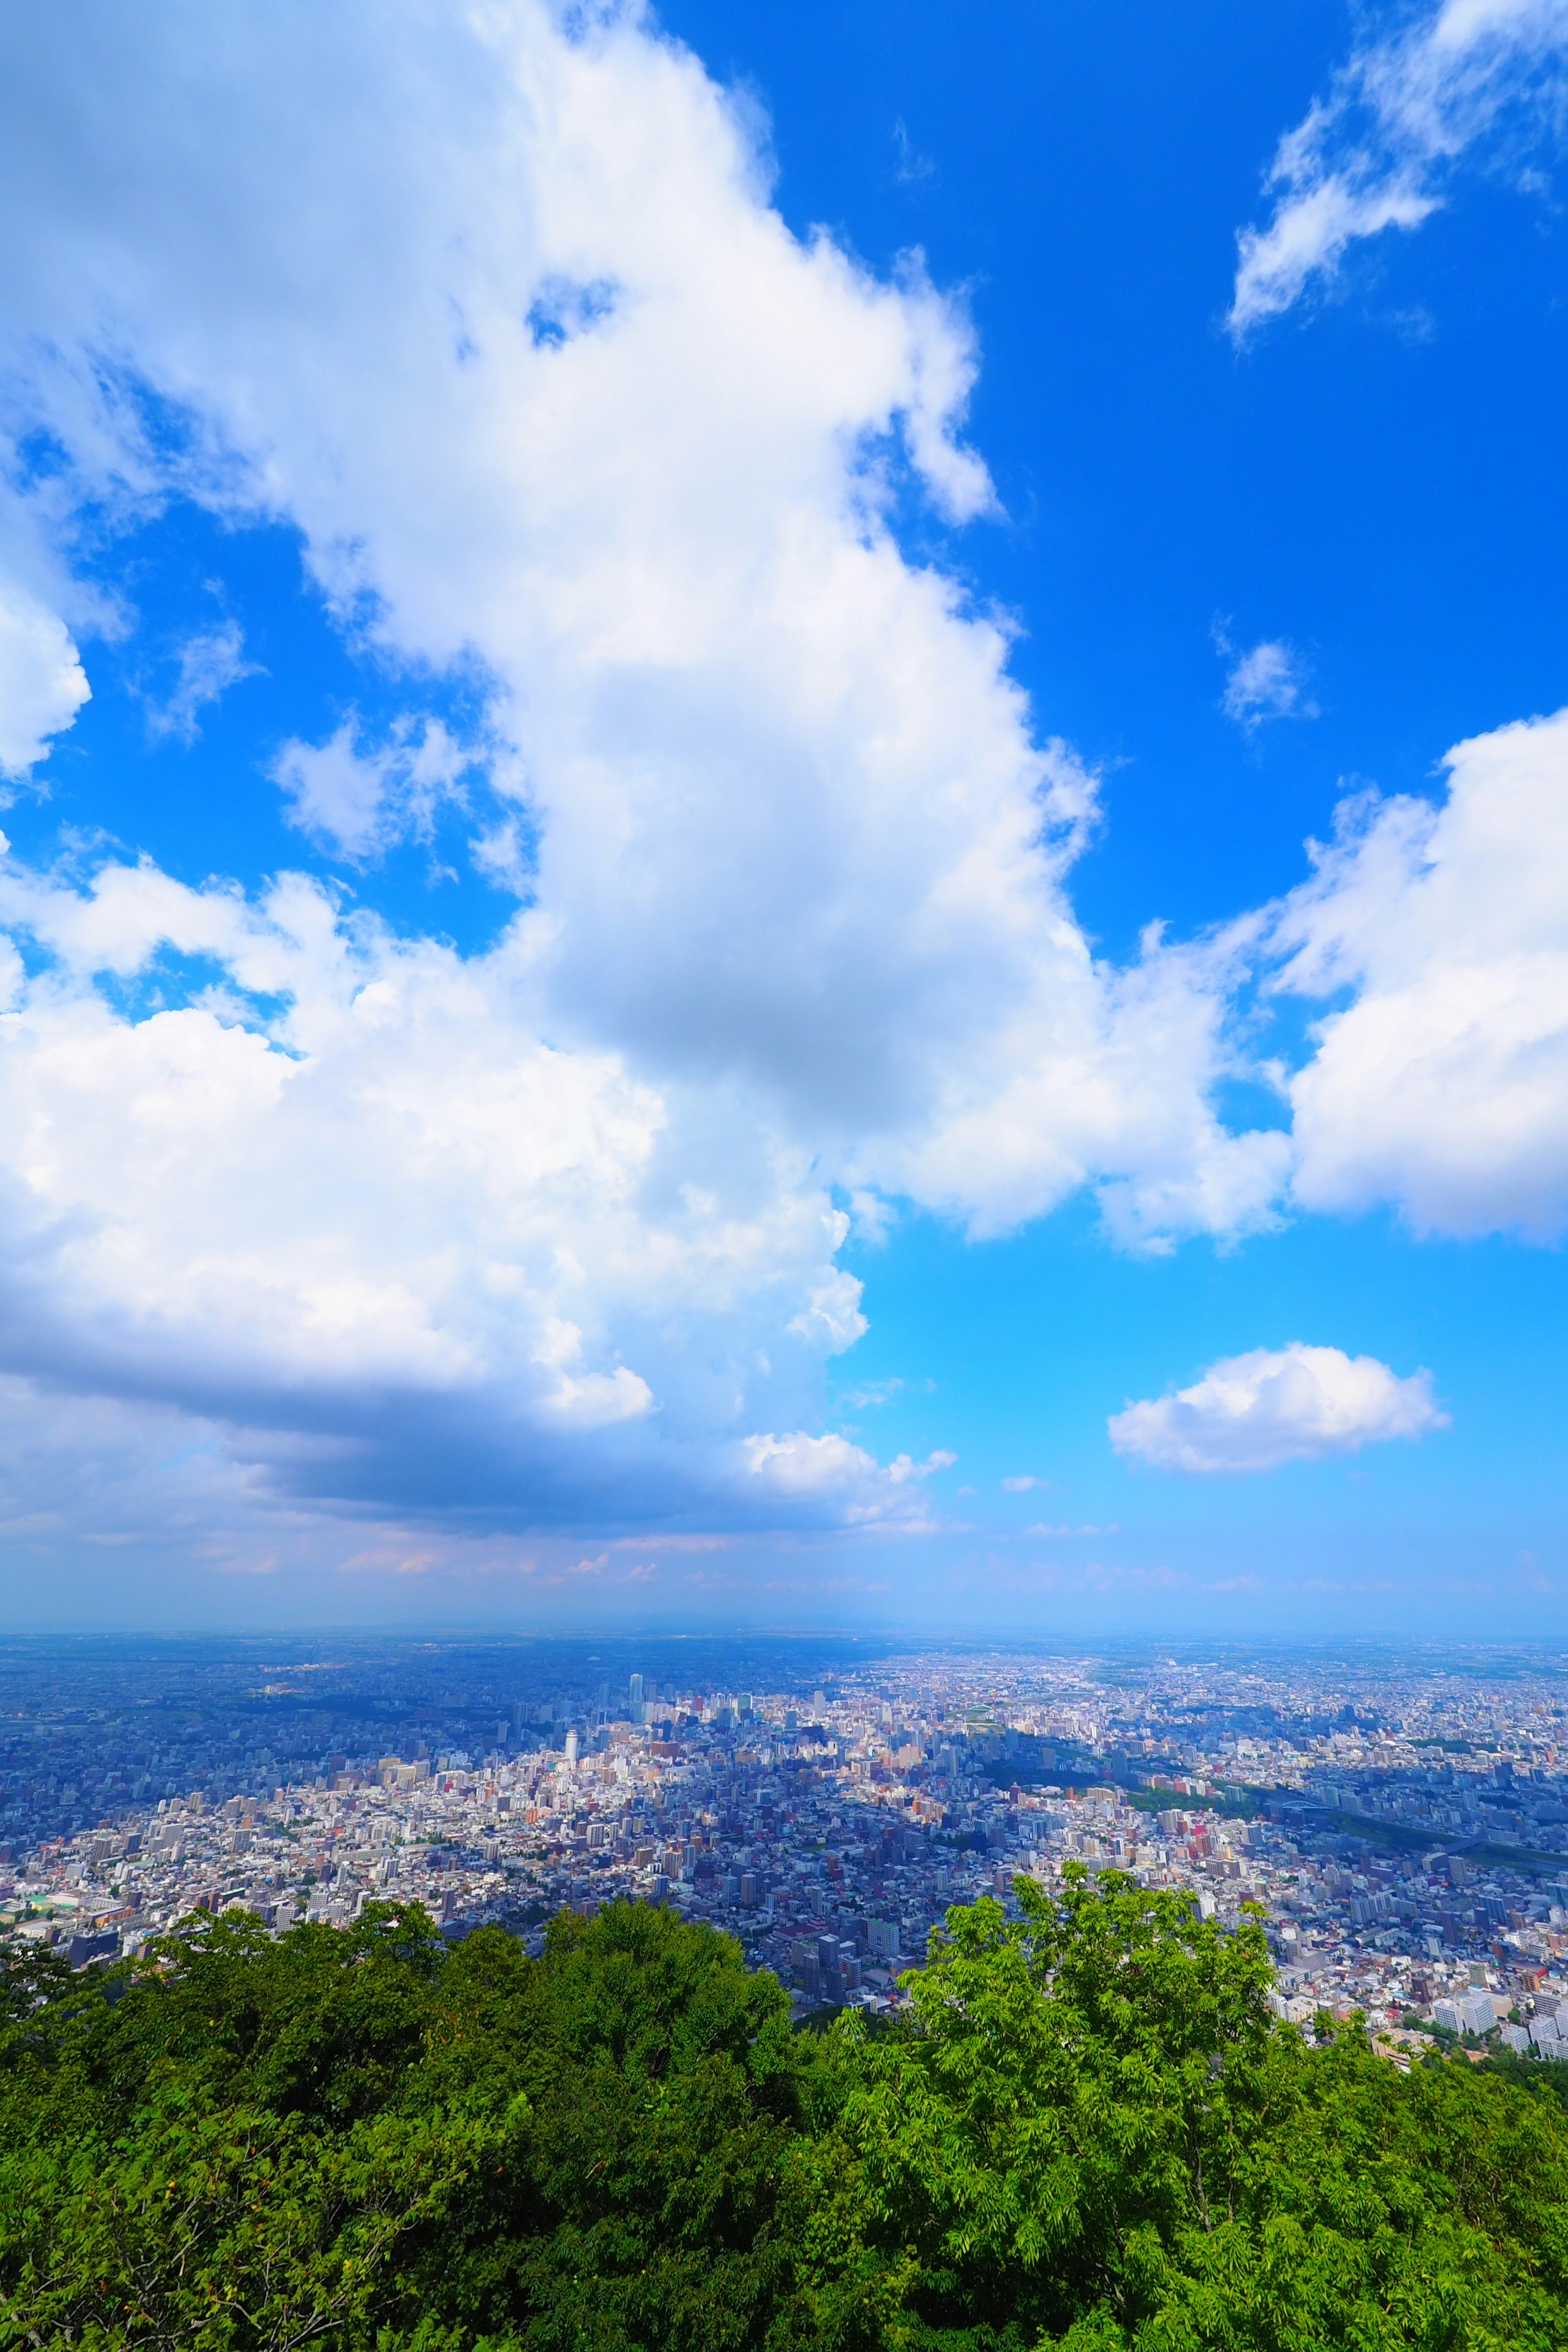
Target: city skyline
1396,1823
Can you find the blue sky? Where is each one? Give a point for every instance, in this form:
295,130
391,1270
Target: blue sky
611,634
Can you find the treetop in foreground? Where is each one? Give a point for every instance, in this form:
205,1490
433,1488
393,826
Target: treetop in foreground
1086,2129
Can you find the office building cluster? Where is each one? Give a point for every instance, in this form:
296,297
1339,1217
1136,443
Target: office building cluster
1398,1823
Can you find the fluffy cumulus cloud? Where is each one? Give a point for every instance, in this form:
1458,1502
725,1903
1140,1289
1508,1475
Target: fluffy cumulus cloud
557,395
830,1467
496,310
1442,1085
439,1260
42,682
1277,1405
1376,154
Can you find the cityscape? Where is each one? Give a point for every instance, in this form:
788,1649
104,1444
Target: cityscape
1397,1820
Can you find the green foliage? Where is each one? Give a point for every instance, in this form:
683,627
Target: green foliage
1087,2131
1092,2133
230,2227
1074,2090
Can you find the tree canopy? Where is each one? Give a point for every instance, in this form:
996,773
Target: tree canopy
1087,2131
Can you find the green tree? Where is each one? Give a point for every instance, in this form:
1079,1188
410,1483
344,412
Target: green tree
1072,2087
321,2023
1089,2131
651,2194
1092,2132
198,2229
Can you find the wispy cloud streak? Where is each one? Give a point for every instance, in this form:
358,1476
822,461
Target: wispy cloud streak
1377,153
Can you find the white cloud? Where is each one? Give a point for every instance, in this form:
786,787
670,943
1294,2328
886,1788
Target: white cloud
210,662
1272,1405
504,323
833,1472
42,684
756,740
1269,682
1443,1084
1024,1485
1377,151
359,800
436,1258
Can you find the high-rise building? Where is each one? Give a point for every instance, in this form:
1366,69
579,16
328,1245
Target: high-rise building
636,1690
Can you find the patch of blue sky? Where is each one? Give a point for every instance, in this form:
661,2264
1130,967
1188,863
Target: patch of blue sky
1014,1354
201,802
169,981
567,307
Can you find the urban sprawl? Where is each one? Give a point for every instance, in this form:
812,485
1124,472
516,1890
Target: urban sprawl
1401,1824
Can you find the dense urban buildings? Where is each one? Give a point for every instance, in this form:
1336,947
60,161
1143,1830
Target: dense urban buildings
1400,1819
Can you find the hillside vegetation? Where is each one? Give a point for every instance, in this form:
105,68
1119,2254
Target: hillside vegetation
1089,2131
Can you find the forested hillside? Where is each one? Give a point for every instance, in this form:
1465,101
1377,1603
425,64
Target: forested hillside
1087,2131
